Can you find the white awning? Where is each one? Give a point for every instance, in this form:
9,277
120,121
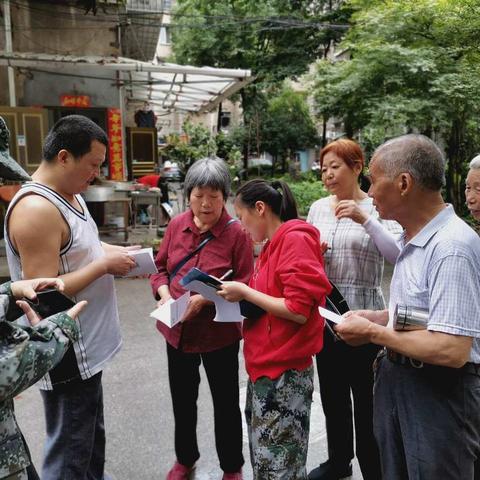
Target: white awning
167,86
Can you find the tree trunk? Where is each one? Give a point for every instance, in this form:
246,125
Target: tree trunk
324,132
455,154
284,162
245,143
257,132
348,127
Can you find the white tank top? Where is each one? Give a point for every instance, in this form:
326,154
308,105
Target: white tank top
100,337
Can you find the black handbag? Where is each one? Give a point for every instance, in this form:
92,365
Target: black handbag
336,303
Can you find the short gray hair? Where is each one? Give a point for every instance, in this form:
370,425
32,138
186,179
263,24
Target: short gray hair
475,163
208,172
415,154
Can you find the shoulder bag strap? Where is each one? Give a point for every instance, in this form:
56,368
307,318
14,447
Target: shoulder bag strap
185,259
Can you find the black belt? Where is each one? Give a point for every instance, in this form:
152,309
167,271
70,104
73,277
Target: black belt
399,359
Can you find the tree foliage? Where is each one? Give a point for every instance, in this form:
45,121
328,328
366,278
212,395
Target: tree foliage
414,66
272,38
287,125
195,144
276,40
281,126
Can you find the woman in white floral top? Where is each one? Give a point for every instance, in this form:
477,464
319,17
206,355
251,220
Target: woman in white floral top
348,222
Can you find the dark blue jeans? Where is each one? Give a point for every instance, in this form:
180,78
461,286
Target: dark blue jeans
426,421
75,445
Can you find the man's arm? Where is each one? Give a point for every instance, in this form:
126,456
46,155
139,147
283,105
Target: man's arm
436,348
38,232
117,249
454,304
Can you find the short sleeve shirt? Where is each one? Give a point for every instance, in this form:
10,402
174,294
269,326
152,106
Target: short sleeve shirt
439,270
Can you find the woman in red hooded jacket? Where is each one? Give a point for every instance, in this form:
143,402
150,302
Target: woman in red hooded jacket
289,284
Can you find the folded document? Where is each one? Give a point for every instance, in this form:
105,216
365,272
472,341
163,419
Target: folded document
194,279
207,285
145,262
172,311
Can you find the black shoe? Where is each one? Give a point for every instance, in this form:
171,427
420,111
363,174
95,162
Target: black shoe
330,471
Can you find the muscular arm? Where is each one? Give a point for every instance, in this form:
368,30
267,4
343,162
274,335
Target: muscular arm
38,232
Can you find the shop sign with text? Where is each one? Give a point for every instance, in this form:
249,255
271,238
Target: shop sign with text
76,101
115,144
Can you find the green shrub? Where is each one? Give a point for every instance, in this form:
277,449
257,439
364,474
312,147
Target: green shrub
307,188
306,192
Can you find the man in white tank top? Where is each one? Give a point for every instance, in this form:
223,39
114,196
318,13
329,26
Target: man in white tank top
49,232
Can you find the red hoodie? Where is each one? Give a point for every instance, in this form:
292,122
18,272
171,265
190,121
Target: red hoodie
291,267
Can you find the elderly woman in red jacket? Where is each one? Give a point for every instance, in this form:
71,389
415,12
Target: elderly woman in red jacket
198,339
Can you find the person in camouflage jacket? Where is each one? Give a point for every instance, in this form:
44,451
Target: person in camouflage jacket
26,354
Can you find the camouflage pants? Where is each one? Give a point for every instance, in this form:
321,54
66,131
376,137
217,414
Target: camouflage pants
278,419
21,475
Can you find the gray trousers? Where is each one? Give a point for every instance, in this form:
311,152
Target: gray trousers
426,422
75,445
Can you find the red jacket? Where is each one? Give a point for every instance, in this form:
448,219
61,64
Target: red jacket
291,267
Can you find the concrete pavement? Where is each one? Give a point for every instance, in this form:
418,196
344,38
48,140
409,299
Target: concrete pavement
138,413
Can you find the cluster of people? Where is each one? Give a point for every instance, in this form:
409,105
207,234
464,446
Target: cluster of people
398,380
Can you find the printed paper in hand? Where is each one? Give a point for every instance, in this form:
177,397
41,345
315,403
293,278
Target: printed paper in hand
333,317
145,262
172,311
225,311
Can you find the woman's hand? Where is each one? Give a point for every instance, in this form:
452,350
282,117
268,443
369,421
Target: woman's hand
324,247
34,318
163,300
195,304
27,288
350,209
233,291
164,293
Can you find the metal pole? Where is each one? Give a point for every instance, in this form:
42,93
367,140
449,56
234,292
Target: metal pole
8,49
